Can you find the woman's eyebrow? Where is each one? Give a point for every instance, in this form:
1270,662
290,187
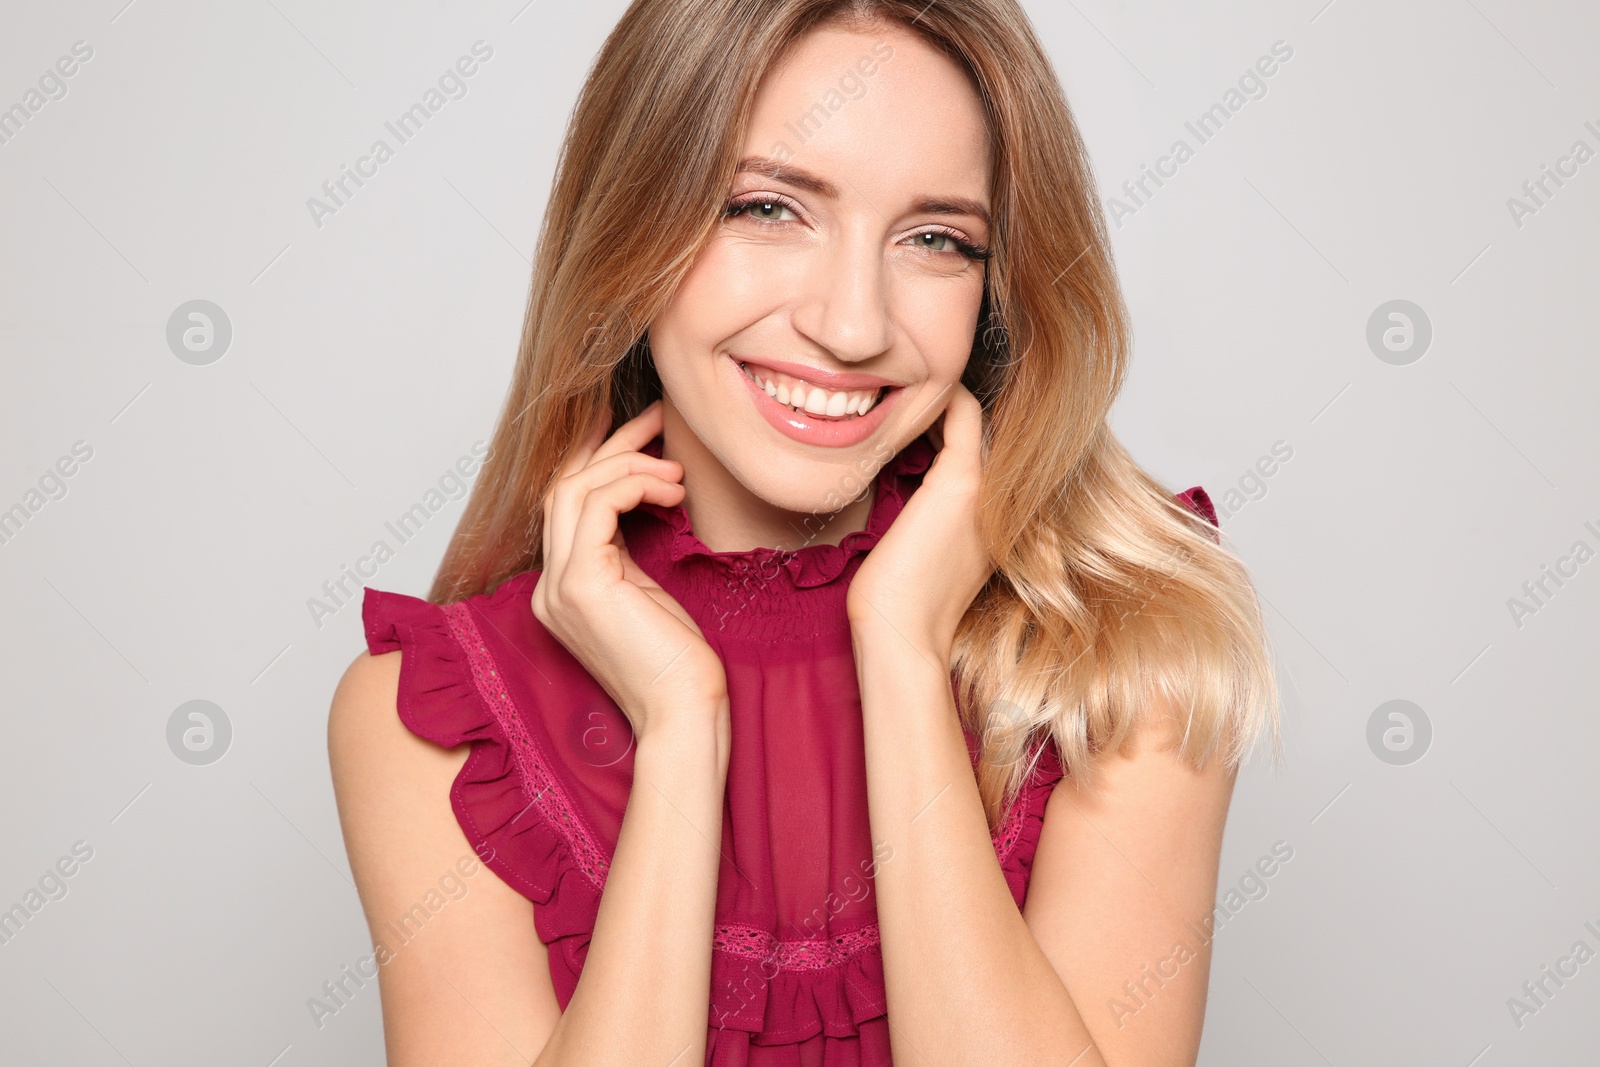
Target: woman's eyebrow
951,205
777,170
782,172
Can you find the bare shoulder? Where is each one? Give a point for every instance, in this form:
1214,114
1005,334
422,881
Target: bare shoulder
462,974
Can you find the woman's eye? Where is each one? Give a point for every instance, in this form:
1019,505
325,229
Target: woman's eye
765,210
937,241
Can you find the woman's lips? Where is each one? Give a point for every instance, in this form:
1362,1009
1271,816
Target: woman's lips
839,431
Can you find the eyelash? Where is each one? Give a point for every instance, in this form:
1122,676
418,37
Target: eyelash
976,252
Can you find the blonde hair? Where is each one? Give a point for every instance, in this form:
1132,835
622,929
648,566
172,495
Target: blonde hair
1108,593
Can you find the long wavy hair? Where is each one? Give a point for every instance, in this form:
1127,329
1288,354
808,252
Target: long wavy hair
1108,592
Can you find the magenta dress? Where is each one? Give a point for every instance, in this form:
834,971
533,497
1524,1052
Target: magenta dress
797,974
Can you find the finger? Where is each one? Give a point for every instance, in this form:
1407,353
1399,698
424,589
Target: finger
961,432
597,519
963,422
576,460
633,434
568,495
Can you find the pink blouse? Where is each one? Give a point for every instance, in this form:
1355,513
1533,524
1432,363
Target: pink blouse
797,975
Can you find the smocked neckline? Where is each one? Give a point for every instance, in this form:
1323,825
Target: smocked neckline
672,539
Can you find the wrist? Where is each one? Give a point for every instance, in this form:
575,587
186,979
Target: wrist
877,641
684,730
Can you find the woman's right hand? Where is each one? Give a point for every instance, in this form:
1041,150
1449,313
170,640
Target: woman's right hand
628,632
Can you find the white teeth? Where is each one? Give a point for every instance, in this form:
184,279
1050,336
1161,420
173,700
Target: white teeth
813,399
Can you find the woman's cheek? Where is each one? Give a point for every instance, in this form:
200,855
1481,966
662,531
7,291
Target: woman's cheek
940,317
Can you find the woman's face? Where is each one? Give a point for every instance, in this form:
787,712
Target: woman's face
846,273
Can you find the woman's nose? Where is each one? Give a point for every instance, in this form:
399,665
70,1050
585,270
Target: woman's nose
845,305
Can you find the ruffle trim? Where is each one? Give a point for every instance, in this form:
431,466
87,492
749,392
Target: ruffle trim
519,819
1025,824
531,836
810,565
1197,500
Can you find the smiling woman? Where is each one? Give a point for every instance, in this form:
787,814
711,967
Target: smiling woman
804,558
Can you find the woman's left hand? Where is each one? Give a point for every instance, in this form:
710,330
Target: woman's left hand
920,578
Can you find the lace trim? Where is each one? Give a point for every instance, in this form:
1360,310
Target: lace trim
535,766
807,954
1009,832
820,953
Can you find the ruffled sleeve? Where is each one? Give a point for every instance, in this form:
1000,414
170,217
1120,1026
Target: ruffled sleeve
509,797
1016,839
1197,500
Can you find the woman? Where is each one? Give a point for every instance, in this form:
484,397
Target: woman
803,569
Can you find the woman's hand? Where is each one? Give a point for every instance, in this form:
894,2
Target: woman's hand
628,632
921,577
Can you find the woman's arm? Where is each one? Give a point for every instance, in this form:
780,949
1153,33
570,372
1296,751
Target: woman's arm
473,987
968,978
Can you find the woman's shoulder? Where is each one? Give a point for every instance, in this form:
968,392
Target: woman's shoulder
542,793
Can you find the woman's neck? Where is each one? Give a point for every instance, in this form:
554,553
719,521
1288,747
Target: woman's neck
727,517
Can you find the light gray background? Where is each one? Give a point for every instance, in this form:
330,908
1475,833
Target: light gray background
369,353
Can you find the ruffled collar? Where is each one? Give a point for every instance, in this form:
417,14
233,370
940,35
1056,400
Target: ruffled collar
763,583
